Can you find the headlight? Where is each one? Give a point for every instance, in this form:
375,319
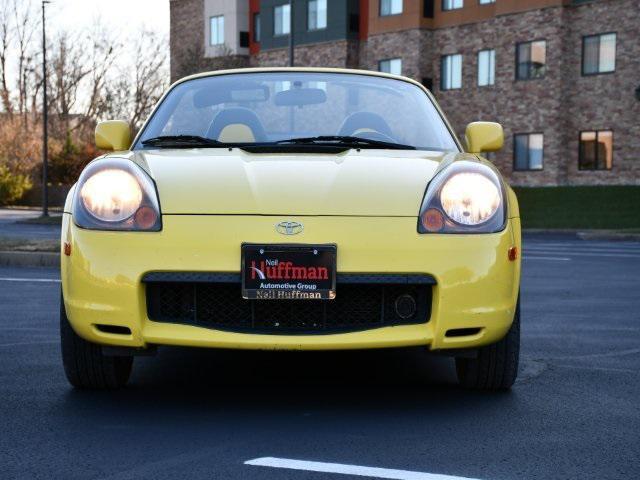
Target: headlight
466,197
116,194
111,195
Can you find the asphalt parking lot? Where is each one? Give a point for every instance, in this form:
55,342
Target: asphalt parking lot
573,413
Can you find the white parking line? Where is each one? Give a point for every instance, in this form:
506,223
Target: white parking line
24,344
585,254
584,249
560,259
40,280
357,470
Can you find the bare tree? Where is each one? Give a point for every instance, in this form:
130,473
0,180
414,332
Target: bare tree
104,50
90,76
151,74
26,26
140,82
5,41
68,73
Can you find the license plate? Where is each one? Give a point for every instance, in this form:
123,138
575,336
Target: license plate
289,272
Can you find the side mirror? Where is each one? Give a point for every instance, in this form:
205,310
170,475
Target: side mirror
484,137
113,135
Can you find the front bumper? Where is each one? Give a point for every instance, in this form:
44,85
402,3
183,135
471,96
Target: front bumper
476,285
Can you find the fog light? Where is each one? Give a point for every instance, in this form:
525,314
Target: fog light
405,306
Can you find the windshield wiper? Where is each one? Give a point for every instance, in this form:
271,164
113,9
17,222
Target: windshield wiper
178,141
356,142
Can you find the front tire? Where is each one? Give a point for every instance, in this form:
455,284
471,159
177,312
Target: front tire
84,364
496,366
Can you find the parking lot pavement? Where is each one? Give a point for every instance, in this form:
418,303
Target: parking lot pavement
197,414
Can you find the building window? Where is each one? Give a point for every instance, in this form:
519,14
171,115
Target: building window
486,67
599,54
282,20
390,7
596,150
393,65
452,4
528,151
531,60
244,39
217,30
317,14
256,28
486,2
451,72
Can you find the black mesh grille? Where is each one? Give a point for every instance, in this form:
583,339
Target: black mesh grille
221,306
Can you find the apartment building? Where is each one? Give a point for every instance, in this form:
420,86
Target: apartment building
562,76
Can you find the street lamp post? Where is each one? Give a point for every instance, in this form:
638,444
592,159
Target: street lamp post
45,117
292,17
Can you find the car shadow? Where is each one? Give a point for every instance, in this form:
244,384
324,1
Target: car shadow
256,384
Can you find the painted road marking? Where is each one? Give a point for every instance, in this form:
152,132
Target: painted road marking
24,344
625,245
41,280
584,249
357,470
585,254
560,259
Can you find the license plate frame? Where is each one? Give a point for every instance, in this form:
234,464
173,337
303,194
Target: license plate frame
311,272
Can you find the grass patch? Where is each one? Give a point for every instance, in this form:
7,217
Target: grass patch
611,208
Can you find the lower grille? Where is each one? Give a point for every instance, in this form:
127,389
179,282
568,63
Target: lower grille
362,302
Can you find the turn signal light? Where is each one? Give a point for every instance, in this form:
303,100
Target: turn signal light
513,254
145,218
432,220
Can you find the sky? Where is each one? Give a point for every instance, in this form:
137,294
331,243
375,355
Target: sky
71,14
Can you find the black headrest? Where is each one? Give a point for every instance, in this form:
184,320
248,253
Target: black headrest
360,120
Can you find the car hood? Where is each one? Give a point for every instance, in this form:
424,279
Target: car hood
364,183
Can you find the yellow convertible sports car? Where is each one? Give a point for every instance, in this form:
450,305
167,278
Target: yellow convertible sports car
292,209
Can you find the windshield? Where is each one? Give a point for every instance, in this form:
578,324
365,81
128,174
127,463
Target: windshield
268,107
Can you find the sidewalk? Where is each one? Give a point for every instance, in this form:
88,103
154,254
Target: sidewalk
15,223
24,244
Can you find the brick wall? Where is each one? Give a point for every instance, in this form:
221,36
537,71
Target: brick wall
604,101
187,42
521,106
413,46
339,54
559,106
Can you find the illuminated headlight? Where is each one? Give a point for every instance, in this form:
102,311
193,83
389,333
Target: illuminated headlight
470,198
111,195
116,194
466,197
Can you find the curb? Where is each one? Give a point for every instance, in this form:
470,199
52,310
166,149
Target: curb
613,236
606,235
29,259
